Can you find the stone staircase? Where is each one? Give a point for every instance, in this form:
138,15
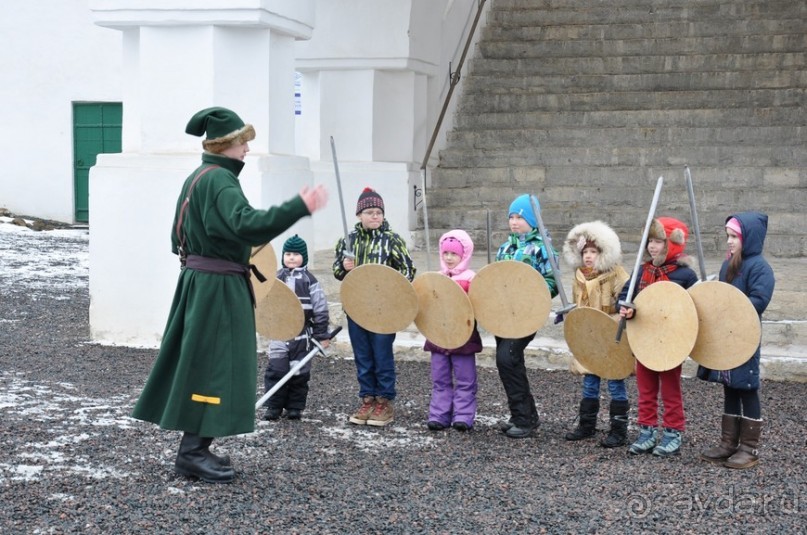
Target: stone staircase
586,104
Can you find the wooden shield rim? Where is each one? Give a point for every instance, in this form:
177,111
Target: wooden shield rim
445,315
266,262
510,299
665,327
591,336
379,298
729,330
279,315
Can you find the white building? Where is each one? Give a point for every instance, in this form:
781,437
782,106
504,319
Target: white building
124,76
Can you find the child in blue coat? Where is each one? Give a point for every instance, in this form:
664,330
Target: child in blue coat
747,270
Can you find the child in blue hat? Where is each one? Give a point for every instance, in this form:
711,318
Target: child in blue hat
524,245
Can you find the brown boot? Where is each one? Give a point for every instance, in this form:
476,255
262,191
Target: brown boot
383,413
360,416
729,438
747,454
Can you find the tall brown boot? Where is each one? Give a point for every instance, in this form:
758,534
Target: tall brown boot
747,454
729,438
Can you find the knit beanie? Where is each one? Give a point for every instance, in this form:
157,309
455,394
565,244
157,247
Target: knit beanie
734,224
296,244
451,245
523,207
369,198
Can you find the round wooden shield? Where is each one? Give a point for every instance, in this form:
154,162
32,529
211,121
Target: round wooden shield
266,262
665,327
279,315
379,298
591,337
510,299
729,330
445,315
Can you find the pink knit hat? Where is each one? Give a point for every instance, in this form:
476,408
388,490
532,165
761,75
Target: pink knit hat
453,246
734,224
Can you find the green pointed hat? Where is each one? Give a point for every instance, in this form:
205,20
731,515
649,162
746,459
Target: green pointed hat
221,126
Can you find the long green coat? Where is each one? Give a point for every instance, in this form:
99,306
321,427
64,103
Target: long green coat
203,380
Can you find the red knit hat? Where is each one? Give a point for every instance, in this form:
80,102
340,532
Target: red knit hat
369,198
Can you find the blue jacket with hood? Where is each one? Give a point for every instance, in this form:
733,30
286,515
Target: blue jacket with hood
755,280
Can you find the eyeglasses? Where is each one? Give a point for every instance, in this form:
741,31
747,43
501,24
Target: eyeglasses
373,213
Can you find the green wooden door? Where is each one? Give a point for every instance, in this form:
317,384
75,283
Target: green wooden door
96,130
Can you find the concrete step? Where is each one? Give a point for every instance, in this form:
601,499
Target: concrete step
616,31
528,13
572,82
650,63
649,136
693,99
737,117
629,156
679,45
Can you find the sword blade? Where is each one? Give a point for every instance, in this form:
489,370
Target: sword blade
348,245
634,276
696,228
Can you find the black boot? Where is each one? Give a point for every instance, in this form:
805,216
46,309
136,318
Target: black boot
223,460
618,435
194,460
587,426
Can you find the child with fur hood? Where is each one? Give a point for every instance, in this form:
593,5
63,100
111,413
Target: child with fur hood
594,250
665,261
453,371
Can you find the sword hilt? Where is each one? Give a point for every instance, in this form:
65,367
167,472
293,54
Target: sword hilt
623,320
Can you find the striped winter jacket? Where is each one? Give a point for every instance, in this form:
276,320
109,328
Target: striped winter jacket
377,246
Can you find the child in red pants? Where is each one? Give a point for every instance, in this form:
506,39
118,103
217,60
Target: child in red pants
666,262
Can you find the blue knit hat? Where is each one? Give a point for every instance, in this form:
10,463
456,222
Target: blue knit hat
296,244
523,207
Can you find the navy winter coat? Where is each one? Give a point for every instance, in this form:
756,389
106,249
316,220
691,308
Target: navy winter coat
755,280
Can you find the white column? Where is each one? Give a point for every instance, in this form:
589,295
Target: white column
181,56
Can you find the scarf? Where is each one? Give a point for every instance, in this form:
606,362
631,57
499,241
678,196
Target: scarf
651,274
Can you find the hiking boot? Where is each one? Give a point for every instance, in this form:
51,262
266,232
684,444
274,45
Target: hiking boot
587,426
294,414
360,416
729,439
272,414
382,414
747,454
618,434
670,443
646,441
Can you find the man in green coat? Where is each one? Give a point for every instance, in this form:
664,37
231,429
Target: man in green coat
203,380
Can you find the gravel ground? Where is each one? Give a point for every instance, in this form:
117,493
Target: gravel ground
74,462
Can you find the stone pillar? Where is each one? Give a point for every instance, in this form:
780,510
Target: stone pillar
365,81
181,56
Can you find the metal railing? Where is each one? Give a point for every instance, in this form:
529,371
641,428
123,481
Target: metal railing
454,78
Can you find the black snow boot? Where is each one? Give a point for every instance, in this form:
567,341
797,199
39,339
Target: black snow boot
587,425
618,435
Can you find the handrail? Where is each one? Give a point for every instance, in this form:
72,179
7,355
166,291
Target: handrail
454,78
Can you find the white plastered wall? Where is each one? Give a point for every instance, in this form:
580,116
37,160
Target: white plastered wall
52,56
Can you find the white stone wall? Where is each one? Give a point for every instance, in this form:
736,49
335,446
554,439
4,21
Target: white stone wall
53,55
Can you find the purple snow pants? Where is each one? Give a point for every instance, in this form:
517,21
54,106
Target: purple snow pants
453,389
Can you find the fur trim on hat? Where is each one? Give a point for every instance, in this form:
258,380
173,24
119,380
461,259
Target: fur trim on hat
674,233
220,144
599,233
